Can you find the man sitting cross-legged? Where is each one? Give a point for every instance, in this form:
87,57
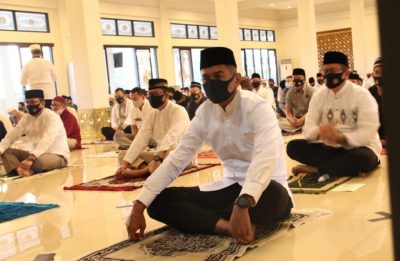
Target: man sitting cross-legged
242,129
45,130
340,131
166,125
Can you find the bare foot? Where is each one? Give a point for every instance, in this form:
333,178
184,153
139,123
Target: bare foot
24,172
304,169
222,227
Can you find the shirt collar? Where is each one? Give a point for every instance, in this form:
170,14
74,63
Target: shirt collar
232,105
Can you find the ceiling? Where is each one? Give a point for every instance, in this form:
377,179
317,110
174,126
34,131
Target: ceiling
248,8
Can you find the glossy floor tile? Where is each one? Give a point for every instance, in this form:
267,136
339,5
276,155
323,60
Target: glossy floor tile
89,220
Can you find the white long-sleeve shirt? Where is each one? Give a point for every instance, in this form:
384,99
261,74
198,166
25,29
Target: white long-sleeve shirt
115,115
166,127
247,139
39,73
46,132
268,94
353,109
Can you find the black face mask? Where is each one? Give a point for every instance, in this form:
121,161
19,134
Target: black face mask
33,109
256,84
177,96
156,101
217,90
194,96
333,80
320,82
119,99
378,81
298,83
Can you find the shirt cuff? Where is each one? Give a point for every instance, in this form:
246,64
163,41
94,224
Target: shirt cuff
146,197
253,189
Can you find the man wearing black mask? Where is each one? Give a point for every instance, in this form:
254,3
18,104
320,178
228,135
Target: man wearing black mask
340,131
264,92
121,119
45,130
196,99
243,131
377,91
297,102
166,125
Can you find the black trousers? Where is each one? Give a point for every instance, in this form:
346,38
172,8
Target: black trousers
333,161
191,210
109,132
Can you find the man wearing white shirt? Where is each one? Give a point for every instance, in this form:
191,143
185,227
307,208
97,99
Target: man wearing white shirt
45,130
340,131
166,124
39,74
243,131
140,109
120,116
264,92
320,82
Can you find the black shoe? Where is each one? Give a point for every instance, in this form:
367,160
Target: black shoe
12,173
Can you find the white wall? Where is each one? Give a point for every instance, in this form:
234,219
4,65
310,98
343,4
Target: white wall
288,34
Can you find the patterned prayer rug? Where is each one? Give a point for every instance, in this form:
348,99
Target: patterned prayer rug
111,184
308,184
207,154
166,243
13,210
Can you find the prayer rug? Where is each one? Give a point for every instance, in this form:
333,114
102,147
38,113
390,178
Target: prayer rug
308,184
166,243
67,168
111,184
207,154
95,142
208,157
13,210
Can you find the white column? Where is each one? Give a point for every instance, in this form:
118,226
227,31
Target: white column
82,41
227,17
357,16
307,37
166,59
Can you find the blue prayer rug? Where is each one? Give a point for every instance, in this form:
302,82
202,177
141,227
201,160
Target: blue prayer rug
13,210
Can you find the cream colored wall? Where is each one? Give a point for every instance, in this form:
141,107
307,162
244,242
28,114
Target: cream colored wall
288,34
46,6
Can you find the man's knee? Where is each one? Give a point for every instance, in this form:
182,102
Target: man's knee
294,146
167,195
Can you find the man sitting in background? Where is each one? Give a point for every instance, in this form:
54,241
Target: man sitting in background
120,116
15,116
377,93
166,125
264,92
196,99
340,131
45,130
245,84
71,125
297,102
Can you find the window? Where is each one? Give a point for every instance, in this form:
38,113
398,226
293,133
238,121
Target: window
262,61
188,31
13,58
120,27
130,67
187,65
256,35
11,20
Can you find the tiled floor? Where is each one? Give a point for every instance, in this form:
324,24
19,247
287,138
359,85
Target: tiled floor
90,220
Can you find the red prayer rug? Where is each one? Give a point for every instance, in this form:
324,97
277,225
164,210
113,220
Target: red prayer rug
112,184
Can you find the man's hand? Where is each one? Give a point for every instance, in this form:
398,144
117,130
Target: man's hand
119,131
292,121
153,165
240,225
329,134
120,171
299,122
26,164
136,221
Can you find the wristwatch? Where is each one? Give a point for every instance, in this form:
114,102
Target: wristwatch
245,201
158,158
